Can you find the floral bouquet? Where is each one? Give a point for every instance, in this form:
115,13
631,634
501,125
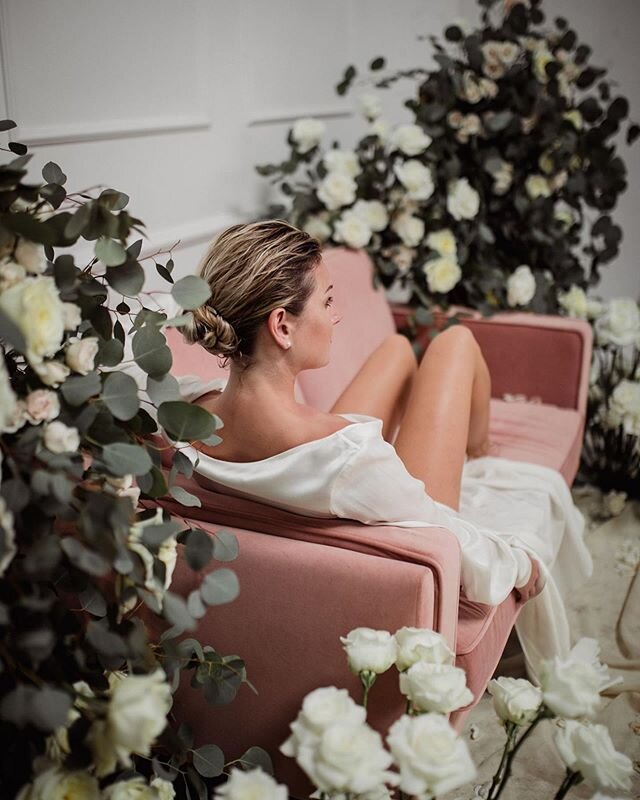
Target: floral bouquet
346,759
498,194
611,450
85,691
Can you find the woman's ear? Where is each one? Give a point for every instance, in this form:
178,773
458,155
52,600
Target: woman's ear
280,326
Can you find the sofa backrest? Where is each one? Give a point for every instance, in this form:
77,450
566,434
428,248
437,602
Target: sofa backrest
366,320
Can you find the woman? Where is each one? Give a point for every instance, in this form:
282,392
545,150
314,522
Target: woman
271,313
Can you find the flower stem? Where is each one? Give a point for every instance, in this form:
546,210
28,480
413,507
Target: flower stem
512,755
512,730
571,779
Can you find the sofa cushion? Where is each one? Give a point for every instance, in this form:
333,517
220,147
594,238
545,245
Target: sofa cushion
539,433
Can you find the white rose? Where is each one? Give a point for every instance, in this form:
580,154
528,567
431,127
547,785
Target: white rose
541,57
349,757
463,202
537,186
508,52
471,90
163,788
320,708
575,118
620,323
61,439
52,373
167,551
402,257
368,649
416,178
342,161
565,213
432,758
571,686
71,315
55,783
373,212
380,128
587,748
307,133
515,699
31,256
132,789
625,401
410,229
336,190
317,227
137,715
574,302
410,139
442,274
370,106
613,503
422,644
443,241
352,230
11,274
80,354
521,286
435,687
488,88
35,307
254,784
42,405
8,400
7,537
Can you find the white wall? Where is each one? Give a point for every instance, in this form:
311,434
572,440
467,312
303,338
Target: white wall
174,103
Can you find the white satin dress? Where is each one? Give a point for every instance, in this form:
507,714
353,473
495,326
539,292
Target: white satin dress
508,509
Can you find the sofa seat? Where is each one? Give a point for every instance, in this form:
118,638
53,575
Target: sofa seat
538,433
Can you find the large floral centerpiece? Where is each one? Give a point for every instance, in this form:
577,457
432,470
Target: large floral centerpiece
86,553
497,194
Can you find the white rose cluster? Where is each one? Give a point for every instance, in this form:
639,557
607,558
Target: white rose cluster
410,139
416,178
587,748
576,303
442,272
250,785
335,747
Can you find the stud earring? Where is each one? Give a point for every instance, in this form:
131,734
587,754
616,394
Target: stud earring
288,345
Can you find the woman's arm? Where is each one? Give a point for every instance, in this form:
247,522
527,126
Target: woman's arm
382,385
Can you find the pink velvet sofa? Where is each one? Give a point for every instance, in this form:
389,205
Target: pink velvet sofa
305,582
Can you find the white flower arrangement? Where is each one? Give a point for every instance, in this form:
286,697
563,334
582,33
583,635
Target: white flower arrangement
508,149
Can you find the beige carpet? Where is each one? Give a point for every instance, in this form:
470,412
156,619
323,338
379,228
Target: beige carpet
607,608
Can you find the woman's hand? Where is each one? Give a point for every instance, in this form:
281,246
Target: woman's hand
529,590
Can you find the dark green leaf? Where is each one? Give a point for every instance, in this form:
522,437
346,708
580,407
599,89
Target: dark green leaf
185,422
150,351
166,388
377,64
87,560
198,548
52,173
133,251
633,133
18,148
7,124
176,612
111,352
78,221
77,389
11,334
208,760
127,279
258,757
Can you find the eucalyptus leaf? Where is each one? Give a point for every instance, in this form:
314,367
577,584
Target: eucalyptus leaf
198,548
11,333
150,351
126,279
120,395
110,252
166,388
219,587
126,459
77,389
52,173
190,292
183,497
185,422
208,760
176,612
258,757
85,559
225,546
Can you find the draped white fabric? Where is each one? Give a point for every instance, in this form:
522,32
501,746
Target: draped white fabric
507,509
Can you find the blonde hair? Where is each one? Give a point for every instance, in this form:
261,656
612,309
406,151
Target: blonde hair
251,269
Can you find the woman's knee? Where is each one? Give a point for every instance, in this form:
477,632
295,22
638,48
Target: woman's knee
457,337
403,351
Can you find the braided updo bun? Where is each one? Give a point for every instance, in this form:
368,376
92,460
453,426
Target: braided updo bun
251,269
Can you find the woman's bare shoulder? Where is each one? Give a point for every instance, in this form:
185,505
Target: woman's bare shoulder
261,436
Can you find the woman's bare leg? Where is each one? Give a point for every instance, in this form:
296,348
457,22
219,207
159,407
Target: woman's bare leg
448,404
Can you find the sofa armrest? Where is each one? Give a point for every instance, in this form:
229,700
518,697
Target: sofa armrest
536,355
435,548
